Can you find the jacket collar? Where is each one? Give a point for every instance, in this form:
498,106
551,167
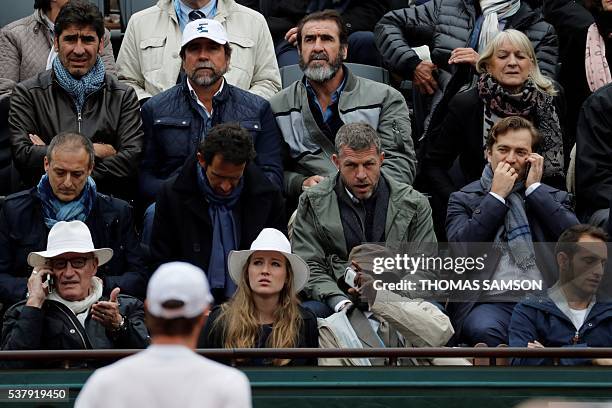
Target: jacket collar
544,303
220,98
255,182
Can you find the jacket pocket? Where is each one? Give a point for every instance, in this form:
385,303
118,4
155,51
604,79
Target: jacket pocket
173,135
242,54
254,128
152,50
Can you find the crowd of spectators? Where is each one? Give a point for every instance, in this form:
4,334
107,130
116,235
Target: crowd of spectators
188,150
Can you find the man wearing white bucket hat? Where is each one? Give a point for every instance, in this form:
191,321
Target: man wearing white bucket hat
264,311
169,373
67,192
65,308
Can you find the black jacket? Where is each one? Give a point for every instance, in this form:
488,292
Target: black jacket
23,230
182,229
593,152
111,115
572,21
55,327
461,136
447,24
212,336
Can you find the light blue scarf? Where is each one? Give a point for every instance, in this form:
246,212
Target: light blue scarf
55,210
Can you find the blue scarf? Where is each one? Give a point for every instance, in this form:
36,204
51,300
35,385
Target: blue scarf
55,210
515,231
79,89
225,235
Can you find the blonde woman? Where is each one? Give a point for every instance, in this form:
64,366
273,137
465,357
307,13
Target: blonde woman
264,312
510,84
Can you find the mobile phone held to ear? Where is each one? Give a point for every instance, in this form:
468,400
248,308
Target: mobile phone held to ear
50,281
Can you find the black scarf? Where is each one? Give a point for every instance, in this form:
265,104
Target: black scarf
363,220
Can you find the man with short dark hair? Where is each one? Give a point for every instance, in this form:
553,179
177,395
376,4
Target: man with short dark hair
310,112
169,373
510,207
78,95
67,192
26,46
360,204
175,121
219,202
569,314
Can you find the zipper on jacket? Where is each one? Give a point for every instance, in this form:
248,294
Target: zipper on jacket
576,338
79,120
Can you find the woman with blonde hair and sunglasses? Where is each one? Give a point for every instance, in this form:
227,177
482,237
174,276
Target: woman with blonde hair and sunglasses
265,311
509,84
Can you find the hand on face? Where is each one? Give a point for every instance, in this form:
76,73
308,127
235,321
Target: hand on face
504,177
107,312
536,169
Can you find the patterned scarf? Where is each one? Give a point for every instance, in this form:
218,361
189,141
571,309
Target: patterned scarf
55,210
225,235
595,61
80,89
534,105
493,11
514,236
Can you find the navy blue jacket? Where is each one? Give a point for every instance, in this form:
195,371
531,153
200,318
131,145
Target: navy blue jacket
173,128
474,215
538,318
23,230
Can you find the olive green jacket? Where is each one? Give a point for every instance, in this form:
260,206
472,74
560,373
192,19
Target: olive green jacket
318,235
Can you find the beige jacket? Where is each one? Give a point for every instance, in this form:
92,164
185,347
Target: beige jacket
149,57
24,48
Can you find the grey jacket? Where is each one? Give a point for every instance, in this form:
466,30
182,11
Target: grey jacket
318,235
24,48
362,100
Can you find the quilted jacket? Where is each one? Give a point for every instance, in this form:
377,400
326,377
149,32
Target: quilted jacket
24,47
173,129
447,24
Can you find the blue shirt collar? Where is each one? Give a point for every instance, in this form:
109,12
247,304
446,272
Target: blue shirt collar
334,98
182,11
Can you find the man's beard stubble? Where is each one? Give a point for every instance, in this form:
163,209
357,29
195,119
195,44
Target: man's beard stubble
321,73
207,80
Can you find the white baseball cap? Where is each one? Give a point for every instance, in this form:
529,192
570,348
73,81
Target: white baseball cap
269,239
204,28
69,236
179,281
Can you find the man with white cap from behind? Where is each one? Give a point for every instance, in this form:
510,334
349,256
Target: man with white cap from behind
169,373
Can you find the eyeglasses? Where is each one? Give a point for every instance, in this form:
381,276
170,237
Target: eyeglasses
59,263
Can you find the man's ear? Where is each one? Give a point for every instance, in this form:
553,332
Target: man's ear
95,262
201,160
56,44
382,157
46,164
562,261
336,161
101,46
344,52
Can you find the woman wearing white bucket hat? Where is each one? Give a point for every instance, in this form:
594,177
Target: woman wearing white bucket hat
265,310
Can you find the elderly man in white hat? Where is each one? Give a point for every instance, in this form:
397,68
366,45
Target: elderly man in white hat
169,373
65,308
